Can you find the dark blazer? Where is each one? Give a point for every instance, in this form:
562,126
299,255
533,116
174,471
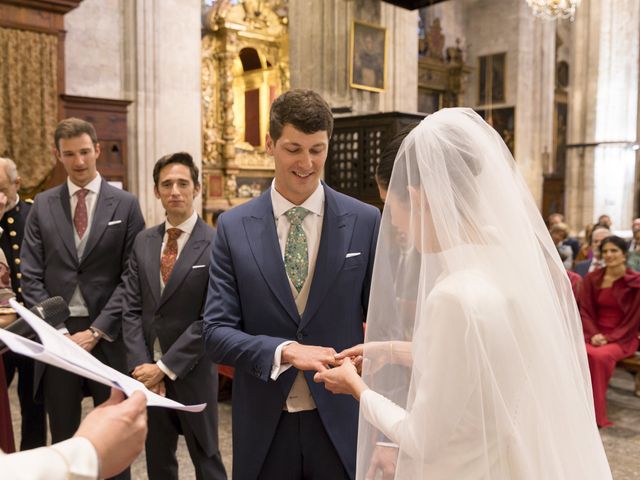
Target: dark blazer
175,319
251,310
12,223
582,268
50,264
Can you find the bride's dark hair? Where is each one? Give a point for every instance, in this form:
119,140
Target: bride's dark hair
388,156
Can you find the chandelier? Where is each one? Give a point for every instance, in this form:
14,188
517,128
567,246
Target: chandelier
553,9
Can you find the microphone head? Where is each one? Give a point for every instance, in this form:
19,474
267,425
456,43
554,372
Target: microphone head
53,310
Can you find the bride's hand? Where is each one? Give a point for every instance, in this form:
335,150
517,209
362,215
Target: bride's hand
342,379
353,352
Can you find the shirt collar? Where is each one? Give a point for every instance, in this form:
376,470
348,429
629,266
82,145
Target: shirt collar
186,226
92,186
315,202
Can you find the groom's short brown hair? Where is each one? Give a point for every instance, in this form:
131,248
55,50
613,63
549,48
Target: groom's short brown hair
304,109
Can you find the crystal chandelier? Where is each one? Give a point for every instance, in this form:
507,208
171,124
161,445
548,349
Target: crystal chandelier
553,9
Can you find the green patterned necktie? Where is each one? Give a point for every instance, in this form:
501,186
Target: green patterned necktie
296,254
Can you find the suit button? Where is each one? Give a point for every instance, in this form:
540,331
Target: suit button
299,336
18,275
17,261
13,233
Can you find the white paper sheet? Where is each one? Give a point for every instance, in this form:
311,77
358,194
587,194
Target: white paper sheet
61,352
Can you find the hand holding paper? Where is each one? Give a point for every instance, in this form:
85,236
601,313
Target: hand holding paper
59,351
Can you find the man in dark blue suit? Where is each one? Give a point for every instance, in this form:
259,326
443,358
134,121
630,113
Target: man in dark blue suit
289,286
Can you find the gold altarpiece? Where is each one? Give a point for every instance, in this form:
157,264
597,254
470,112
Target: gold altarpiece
245,66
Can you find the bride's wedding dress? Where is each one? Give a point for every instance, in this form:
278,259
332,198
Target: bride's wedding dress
497,384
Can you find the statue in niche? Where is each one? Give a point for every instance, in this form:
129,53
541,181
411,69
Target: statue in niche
435,40
454,54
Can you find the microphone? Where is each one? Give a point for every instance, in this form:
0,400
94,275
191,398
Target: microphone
53,310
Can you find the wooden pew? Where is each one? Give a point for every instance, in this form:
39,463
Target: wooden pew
632,365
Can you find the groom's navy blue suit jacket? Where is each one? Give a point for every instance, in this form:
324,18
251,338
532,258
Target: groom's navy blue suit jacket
250,311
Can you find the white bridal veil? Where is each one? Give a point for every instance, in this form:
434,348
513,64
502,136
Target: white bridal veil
486,372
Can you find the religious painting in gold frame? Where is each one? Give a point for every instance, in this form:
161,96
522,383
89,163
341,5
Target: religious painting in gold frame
368,56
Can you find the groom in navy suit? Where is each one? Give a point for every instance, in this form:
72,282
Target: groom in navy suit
289,286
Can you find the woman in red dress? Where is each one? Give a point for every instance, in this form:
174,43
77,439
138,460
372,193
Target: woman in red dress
609,303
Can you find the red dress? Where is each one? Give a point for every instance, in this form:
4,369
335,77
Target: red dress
615,313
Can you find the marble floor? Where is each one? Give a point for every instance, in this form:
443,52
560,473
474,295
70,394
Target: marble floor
622,441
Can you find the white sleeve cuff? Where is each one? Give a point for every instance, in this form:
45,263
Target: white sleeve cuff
63,331
277,367
80,456
166,370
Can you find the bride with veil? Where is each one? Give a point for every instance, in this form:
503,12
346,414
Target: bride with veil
474,364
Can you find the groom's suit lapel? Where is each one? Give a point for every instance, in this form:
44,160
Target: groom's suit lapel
260,228
337,229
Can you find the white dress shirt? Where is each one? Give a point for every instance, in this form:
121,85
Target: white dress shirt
77,304
186,227
299,398
73,459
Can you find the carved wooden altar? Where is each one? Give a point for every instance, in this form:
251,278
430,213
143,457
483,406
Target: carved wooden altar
245,66
441,74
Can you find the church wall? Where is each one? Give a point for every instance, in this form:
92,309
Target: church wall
146,51
94,50
487,27
319,35
402,73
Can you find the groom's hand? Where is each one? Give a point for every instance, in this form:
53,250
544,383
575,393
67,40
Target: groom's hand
309,357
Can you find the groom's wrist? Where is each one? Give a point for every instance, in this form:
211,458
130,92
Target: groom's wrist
285,355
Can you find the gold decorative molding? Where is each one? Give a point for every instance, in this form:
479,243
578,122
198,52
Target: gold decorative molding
245,65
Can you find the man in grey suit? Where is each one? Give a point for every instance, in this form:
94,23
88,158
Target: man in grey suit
166,287
76,244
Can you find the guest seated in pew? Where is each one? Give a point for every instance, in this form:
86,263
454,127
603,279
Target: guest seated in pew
609,303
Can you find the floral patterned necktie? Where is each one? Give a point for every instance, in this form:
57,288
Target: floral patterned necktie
170,253
296,253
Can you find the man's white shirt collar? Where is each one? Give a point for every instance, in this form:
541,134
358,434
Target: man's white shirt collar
186,226
315,202
92,186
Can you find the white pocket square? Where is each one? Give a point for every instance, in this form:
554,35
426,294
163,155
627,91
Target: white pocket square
198,266
353,254
114,222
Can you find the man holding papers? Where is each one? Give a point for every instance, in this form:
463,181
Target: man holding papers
166,286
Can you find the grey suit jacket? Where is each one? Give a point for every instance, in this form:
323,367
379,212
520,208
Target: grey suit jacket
175,319
50,264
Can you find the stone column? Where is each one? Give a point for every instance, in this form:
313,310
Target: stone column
534,96
603,108
402,69
162,56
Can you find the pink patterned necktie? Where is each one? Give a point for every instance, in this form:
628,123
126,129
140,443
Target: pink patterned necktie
170,253
81,217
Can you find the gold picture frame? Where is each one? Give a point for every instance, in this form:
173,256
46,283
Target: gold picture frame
368,57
